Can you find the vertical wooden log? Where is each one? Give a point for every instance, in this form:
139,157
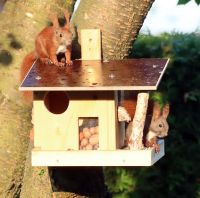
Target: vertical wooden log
135,140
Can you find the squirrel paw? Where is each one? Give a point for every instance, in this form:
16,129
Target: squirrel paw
69,62
60,64
157,148
46,61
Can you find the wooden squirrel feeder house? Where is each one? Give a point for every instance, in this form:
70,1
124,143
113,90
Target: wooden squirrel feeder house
75,109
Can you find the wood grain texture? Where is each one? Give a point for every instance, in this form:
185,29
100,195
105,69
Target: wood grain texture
146,157
135,140
119,21
90,44
130,74
60,131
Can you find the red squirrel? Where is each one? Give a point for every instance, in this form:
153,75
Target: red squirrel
156,125
50,42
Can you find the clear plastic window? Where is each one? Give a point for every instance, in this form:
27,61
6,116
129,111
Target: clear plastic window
88,133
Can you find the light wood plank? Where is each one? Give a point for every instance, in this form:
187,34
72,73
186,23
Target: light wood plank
90,44
60,131
91,88
146,157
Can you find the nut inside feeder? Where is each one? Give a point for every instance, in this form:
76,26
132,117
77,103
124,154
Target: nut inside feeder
88,134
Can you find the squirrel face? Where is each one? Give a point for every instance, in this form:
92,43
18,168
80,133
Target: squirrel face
159,123
63,36
160,127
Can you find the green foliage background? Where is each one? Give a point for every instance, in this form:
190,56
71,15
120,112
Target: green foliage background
177,174
180,2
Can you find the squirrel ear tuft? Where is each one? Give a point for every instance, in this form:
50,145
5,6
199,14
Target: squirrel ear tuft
156,110
67,16
165,111
54,20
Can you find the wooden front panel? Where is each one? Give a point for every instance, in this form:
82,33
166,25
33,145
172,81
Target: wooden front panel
61,132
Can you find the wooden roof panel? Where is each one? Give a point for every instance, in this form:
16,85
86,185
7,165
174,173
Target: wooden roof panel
129,74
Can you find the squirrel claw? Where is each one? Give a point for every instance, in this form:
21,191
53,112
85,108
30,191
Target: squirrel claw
46,61
61,64
69,63
157,148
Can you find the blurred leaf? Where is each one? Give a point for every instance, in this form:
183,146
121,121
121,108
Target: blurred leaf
197,1
180,2
159,97
41,173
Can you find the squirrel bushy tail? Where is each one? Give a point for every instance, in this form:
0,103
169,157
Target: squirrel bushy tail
25,67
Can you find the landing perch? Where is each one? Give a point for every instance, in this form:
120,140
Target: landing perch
146,157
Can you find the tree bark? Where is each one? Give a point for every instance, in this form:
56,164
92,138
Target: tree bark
13,145
135,139
36,180
119,21
20,22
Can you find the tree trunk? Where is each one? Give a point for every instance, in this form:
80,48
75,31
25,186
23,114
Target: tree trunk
20,22
36,181
13,145
119,21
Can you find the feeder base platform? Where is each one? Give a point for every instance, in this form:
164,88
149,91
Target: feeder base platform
146,157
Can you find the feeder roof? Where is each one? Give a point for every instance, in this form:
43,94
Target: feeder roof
128,74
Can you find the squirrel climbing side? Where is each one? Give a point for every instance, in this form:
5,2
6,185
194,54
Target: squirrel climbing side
49,43
158,127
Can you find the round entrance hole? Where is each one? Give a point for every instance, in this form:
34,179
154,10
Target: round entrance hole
56,102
